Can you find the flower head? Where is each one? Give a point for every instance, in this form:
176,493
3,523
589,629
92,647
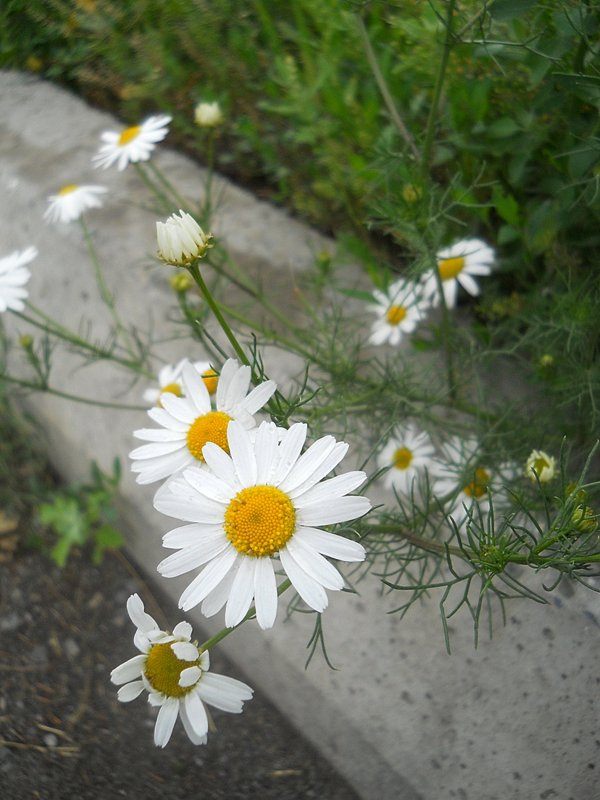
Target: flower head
399,310
71,201
169,380
408,454
262,500
461,478
457,265
540,466
176,676
208,115
189,422
131,145
13,277
181,240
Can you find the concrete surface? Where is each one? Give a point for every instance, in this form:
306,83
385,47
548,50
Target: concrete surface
399,718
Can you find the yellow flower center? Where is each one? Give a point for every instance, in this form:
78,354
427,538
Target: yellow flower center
395,314
211,427
210,379
539,465
163,670
260,520
450,267
68,189
129,134
402,458
478,486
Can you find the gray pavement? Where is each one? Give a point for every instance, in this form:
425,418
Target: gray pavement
400,718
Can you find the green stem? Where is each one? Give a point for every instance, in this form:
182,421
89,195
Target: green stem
37,387
179,199
385,92
250,615
167,207
194,271
437,91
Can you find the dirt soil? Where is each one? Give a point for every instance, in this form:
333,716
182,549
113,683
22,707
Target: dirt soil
64,735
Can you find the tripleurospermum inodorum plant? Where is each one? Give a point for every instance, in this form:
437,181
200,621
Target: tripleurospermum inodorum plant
471,241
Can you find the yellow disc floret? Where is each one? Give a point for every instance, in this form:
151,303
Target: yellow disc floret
450,267
211,427
68,189
129,134
163,670
402,458
260,520
210,379
395,314
478,486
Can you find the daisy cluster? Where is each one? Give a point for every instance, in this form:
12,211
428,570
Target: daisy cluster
254,500
457,475
406,303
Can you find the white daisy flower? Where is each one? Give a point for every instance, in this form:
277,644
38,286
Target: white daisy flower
175,674
13,277
208,115
261,501
131,145
189,422
457,265
71,201
399,311
408,454
169,380
181,240
463,479
541,464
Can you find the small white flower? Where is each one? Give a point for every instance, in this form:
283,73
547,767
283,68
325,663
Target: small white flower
131,145
461,479
409,455
181,240
175,674
541,464
263,500
13,277
189,422
169,380
208,115
71,201
457,265
399,311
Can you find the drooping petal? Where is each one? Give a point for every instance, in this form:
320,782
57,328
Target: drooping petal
128,671
315,565
241,593
265,593
165,721
313,594
130,691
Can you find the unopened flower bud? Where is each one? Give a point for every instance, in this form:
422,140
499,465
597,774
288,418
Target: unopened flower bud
542,465
181,282
208,115
181,240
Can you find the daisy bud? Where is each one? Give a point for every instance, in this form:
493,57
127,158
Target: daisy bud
181,240
208,115
542,465
181,282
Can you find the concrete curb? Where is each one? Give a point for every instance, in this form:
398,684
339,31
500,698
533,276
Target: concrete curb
400,719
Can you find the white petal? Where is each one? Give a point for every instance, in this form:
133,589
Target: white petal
196,713
189,676
210,577
314,464
192,557
236,388
290,449
229,369
159,435
195,389
468,284
241,594
141,620
130,691
165,721
315,565
129,670
265,449
259,396
208,485
186,651
313,594
180,408
215,600
337,509
242,453
331,545
190,535
223,692
265,593
183,630
333,487
220,463
192,736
